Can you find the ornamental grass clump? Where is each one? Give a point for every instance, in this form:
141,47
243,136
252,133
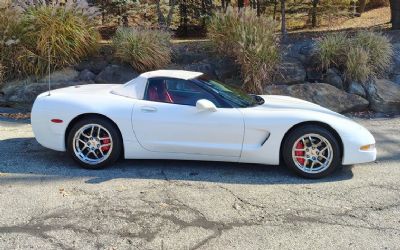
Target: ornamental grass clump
143,49
332,50
379,48
222,30
251,41
357,67
42,33
359,57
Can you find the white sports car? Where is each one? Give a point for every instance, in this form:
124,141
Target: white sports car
172,114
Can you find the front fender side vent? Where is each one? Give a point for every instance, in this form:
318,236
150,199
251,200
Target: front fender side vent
266,138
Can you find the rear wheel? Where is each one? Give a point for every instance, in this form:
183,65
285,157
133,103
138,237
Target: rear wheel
311,151
94,143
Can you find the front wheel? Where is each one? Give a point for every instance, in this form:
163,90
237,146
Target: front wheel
311,151
94,142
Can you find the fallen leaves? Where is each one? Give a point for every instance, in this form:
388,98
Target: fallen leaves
16,116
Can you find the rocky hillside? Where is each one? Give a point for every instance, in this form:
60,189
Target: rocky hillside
299,76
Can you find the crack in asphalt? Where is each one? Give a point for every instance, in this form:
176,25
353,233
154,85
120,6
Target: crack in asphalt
41,226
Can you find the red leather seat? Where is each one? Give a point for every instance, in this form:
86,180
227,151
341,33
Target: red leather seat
158,92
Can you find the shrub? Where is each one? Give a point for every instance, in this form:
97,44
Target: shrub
66,33
222,30
360,57
251,41
142,49
332,50
379,49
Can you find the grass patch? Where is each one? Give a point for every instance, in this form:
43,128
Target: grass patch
360,57
143,49
251,40
62,32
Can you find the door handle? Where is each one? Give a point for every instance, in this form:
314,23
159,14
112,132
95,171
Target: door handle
148,109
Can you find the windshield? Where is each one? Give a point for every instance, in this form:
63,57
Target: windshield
235,97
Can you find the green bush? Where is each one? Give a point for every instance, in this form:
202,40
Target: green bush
65,33
251,41
360,57
142,49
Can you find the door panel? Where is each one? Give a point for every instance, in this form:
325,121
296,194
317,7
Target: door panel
174,128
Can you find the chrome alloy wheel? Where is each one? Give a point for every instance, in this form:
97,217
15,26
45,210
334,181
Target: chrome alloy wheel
92,144
312,153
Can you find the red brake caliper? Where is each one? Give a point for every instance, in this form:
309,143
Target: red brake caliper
106,148
300,145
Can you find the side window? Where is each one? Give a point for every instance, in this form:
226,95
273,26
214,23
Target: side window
177,91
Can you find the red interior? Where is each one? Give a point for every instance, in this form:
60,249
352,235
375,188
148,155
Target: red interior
158,92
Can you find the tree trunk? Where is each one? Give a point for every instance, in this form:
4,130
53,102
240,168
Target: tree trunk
275,7
160,15
314,13
395,11
361,6
171,12
283,19
240,4
258,3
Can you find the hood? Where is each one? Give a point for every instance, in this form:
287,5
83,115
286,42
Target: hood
287,102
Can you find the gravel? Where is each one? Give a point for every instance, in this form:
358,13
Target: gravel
47,202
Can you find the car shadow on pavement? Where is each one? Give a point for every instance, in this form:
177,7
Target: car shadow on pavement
24,160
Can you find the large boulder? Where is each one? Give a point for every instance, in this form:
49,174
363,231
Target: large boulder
60,76
323,94
384,96
95,65
333,77
25,91
116,74
290,71
396,79
357,89
86,75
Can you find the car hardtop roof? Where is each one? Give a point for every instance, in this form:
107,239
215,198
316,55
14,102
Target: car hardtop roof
179,74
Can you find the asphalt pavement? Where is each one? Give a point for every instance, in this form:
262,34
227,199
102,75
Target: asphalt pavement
48,202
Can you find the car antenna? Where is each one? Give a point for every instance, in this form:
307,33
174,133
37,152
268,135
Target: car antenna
49,67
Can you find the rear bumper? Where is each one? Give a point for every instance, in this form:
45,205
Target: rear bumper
48,134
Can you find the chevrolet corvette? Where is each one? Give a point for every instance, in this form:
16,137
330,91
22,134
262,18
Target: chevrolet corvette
174,114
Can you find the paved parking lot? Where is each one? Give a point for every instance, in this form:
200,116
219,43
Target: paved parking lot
47,202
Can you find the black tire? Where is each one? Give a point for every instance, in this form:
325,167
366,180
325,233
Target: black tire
116,150
299,132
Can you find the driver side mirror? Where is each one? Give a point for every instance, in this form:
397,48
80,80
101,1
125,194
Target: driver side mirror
205,105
